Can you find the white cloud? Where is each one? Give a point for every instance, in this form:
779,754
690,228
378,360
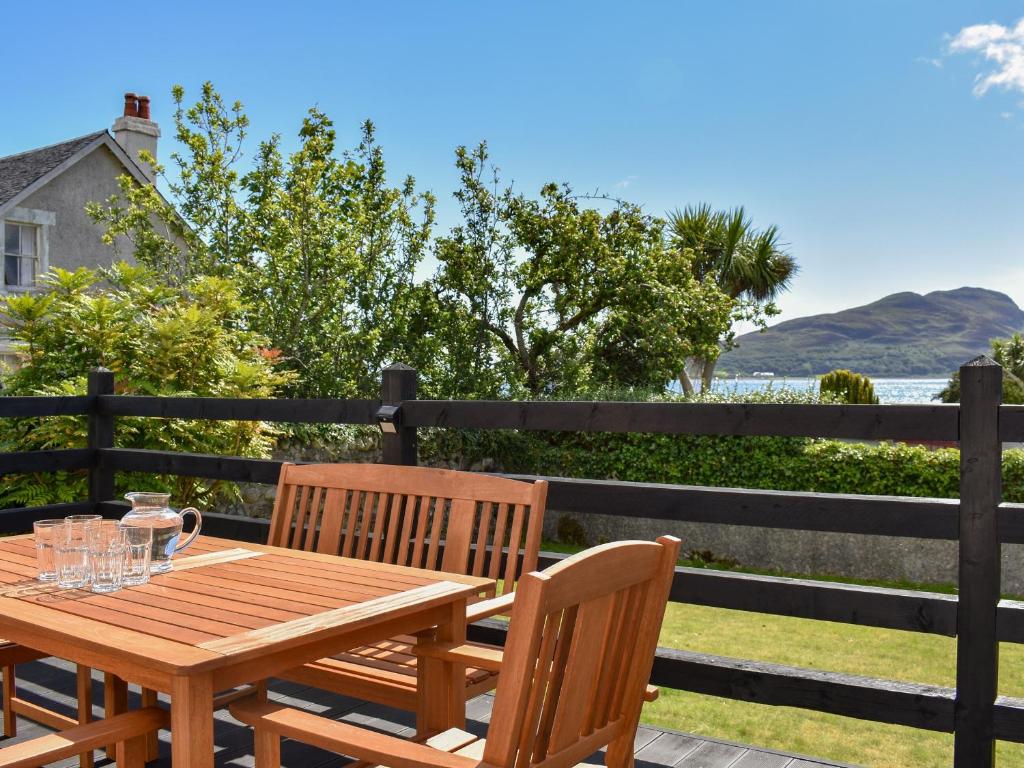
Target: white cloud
625,183
1006,115
1003,46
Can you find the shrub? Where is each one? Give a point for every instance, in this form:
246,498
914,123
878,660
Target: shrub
848,387
158,340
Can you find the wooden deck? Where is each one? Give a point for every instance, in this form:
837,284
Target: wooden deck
53,682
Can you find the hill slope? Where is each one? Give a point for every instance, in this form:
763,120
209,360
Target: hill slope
904,334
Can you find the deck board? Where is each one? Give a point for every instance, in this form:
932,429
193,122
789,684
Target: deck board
52,682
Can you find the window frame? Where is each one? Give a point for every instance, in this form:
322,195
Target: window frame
36,231
42,221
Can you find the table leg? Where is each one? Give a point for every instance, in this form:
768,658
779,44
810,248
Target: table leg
149,699
441,685
83,686
192,722
115,702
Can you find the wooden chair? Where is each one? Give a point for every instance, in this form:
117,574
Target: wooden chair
460,522
128,731
11,655
573,674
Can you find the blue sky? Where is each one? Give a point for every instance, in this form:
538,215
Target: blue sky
858,127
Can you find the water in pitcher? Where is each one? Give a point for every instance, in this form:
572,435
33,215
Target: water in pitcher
151,510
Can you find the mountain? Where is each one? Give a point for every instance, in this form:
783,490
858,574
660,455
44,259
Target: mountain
904,334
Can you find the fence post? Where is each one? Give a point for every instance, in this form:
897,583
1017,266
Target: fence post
101,435
977,650
398,383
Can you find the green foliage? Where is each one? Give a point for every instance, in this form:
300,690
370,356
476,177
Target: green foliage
532,295
322,250
158,340
332,255
544,290
1009,353
849,387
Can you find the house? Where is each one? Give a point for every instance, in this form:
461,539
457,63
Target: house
43,194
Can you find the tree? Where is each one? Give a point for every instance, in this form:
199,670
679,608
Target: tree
1009,353
159,340
538,286
323,250
332,259
749,265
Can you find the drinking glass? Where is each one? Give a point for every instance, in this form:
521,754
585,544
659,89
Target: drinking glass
138,541
106,554
71,559
46,532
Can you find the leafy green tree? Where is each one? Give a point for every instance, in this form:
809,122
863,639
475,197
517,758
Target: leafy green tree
158,340
748,264
323,250
543,290
1009,353
333,253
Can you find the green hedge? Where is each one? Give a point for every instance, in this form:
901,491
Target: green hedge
786,464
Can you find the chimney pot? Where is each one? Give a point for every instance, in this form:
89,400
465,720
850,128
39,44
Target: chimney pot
143,107
131,107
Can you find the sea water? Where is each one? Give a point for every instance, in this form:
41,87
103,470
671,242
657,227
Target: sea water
889,391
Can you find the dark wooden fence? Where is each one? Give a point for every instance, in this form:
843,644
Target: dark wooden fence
979,520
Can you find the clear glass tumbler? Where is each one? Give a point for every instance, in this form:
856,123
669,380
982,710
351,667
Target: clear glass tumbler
46,532
138,541
71,560
106,554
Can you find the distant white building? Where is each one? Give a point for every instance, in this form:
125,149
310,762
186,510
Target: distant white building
43,194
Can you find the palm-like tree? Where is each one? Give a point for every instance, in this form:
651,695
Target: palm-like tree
746,263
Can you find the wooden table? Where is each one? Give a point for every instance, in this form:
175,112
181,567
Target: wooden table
230,614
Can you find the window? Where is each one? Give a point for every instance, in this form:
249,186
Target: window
20,254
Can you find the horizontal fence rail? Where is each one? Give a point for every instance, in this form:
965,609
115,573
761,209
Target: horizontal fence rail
865,422
239,409
1011,423
835,513
46,461
19,407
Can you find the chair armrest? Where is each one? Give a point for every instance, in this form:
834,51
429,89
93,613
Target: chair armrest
487,608
344,738
472,655
651,693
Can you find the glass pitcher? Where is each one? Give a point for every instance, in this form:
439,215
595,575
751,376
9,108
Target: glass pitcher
152,510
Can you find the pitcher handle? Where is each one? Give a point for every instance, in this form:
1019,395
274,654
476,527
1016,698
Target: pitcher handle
195,531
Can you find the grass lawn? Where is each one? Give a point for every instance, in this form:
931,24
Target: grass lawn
856,650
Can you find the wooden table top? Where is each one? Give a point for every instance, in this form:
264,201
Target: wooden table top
224,602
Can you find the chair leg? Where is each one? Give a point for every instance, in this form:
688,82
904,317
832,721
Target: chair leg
131,753
268,748
84,685
153,737
10,719
115,701
620,755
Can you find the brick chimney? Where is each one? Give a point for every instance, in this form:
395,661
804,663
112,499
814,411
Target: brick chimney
135,132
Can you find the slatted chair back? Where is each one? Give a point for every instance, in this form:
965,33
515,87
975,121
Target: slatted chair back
403,515
579,653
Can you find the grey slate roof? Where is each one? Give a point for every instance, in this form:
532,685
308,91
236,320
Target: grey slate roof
19,171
